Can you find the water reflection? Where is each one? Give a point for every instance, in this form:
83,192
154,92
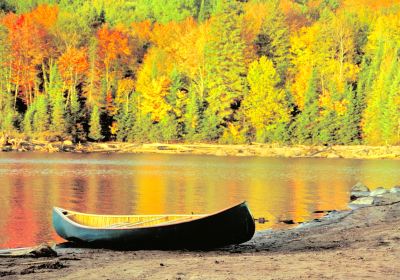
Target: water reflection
31,184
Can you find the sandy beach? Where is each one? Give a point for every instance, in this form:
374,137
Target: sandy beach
245,150
354,244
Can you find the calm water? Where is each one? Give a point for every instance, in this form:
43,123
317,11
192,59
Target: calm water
32,183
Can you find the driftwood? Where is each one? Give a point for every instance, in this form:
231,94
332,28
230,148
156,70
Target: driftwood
41,251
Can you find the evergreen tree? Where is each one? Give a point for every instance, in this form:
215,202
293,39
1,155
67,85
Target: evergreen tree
273,39
210,128
95,127
326,128
349,125
6,7
126,117
57,102
41,120
7,112
75,115
390,122
202,11
169,128
306,124
177,99
192,117
8,115
144,129
225,68
28,120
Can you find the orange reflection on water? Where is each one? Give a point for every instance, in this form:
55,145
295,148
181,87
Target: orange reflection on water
149,184
21,224
151,188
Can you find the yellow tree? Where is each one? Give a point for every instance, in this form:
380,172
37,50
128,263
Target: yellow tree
153,85
265,106
303,61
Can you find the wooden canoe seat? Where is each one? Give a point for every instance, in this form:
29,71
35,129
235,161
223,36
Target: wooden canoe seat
126,224
177,220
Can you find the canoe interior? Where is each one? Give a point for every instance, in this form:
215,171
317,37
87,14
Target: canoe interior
133,221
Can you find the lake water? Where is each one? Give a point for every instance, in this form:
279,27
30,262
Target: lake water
277,189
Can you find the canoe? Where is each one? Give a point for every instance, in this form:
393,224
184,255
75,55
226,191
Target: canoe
233,225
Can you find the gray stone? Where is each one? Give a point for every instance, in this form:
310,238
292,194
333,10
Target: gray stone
362,202
378,191
386,199
359,187
355,195
395,189
359,190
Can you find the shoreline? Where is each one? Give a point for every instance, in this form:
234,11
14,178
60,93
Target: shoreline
363,242
247,150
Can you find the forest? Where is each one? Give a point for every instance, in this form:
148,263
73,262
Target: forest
313,72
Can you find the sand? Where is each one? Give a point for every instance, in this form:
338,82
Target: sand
245,150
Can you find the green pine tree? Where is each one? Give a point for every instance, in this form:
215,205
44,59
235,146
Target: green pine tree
225,68
273,39
306,124
124,119
8,114
390,122
349,125
28,119
192,118
210,128
95,127
41,119
57,102
169,128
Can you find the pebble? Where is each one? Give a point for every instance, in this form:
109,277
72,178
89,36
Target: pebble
395,189
378,191
362,201
360,187
359,190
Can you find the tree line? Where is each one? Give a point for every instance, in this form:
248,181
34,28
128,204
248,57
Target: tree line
270,71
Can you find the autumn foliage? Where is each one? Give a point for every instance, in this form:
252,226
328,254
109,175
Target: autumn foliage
297,72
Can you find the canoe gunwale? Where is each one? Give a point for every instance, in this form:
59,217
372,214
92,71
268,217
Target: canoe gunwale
197,217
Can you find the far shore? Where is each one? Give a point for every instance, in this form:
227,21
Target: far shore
245,150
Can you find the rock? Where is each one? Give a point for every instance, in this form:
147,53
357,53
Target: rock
362,202
6,149
288,222
378,191
42,251
356,195
359,190
360,187
386,199
395,189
